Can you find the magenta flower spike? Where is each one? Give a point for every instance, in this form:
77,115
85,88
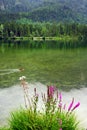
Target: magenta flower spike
77,105
60,96
71,104
50,91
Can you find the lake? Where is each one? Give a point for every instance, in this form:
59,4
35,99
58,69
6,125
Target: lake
45,62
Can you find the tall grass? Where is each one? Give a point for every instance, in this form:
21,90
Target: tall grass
54,116
4,128
29,120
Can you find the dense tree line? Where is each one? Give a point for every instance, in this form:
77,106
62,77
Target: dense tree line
13,29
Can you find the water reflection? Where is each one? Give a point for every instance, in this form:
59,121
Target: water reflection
39,44
47,62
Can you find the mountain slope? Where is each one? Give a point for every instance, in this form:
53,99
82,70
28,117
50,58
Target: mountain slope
47,10
18,5
52,13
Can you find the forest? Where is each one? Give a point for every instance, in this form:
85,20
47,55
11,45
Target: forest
45,29
37,29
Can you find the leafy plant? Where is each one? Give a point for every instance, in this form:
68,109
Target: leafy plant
55,116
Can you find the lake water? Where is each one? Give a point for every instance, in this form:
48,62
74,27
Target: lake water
64,68
43,64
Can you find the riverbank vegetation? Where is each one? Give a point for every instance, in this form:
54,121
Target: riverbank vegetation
65,31
55,115
42,50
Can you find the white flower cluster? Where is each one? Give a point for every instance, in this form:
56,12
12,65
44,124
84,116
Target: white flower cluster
22,77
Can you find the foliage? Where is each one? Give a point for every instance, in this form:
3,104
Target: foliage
30,29
4,128
68,35
53,118
66,11
29,120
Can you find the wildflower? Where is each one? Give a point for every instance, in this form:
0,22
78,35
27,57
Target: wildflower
77,105
24,84
60,105
50,91
71,104
22,78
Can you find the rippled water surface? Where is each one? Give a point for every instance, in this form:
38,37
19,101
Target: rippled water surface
65,68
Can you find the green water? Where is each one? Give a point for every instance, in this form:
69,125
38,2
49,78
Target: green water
64,68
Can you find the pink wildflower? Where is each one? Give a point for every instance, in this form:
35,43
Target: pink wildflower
77,105
50,91
71,104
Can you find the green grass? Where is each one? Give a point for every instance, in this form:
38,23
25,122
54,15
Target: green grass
28,120
4,128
